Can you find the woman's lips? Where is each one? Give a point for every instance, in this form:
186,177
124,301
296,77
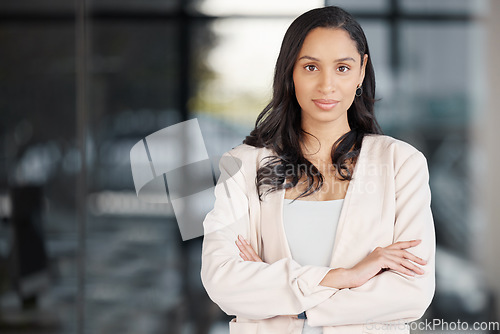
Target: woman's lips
325,104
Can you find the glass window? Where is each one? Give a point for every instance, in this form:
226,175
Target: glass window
438,71
38,174
241,64
37,7
236,78
469,7
142,6
363,6
255,7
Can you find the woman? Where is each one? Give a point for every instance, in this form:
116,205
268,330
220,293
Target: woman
321,224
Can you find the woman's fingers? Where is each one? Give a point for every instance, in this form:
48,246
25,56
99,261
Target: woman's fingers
404,244
414,258
407,255
394,256
246,251
243,256
399,255
409,266
399,249
403,270
399,259
242,248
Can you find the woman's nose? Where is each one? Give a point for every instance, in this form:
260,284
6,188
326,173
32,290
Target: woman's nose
327,82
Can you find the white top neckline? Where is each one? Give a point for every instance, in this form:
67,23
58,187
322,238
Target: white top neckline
327,201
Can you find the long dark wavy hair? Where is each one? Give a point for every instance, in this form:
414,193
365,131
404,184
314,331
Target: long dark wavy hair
278,126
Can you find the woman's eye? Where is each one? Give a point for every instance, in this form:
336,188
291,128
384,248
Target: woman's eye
310,68
343,69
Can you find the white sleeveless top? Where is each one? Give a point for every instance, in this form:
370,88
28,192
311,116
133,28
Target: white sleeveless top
310,228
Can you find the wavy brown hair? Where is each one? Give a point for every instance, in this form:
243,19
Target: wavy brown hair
278,126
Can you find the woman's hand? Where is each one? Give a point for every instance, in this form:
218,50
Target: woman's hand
248,254
391,257
380,259
246,251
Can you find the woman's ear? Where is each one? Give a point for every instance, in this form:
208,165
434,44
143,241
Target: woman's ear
363,67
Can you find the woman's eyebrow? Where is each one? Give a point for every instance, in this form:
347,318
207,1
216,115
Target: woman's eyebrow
345,59
309,57
335,61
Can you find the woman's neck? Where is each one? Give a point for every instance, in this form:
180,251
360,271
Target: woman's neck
326,134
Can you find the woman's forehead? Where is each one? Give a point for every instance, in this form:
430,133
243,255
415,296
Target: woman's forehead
329,43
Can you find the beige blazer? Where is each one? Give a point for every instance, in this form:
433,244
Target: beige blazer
388,200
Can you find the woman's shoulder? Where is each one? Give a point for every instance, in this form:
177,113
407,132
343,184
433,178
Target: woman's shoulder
248,152
248,158
384,146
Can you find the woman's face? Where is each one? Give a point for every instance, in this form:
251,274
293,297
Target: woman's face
326,75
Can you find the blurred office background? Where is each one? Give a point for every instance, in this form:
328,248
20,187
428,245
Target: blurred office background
82,82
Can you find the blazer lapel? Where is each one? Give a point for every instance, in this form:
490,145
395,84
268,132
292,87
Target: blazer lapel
274,244
360,216
344,235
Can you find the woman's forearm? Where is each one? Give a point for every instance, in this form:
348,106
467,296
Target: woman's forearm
339,278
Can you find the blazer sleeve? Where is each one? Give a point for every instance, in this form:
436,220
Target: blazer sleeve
392,296
253,290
